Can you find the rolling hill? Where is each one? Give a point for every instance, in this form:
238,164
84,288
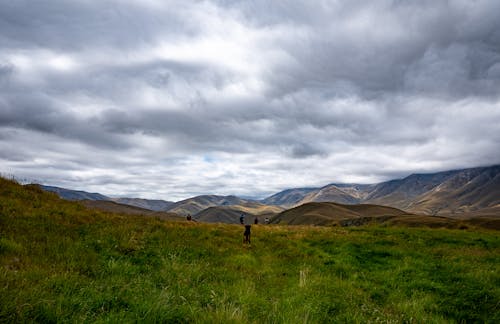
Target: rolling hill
231,214
336,193
255,208
192,206
220,215
328,213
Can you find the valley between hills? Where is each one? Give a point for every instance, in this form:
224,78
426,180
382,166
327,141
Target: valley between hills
444,199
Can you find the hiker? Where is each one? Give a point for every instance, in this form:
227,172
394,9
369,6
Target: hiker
267,220
246,234
188,217
242,219
256,221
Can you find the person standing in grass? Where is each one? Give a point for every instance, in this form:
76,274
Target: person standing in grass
242,219
246,234
256,221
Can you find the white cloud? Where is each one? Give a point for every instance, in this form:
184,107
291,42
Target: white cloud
171,99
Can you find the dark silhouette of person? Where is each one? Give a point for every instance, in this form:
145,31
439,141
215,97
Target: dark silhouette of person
242,219
256,220
188,217
246,234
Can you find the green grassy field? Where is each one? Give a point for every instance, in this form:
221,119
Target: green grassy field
62,263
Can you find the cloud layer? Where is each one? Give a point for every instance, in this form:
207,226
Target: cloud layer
169,99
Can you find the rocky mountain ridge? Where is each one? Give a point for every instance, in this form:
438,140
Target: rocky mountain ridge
438,193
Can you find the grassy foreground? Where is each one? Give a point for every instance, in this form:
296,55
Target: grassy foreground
62,263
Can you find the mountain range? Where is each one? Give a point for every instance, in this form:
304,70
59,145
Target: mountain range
455,192
68,194
448,192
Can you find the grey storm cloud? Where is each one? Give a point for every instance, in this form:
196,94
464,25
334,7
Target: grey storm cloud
77,25
166,99
445,48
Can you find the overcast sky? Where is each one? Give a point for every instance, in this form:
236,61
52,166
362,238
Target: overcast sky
171,99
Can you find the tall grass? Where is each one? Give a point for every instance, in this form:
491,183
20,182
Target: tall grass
62,263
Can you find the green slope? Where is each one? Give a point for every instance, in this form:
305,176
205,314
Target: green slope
60,262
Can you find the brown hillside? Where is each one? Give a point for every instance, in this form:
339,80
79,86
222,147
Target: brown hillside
331,193
194,205
356,215
327,213
255,208
231,214
220,215
461,194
